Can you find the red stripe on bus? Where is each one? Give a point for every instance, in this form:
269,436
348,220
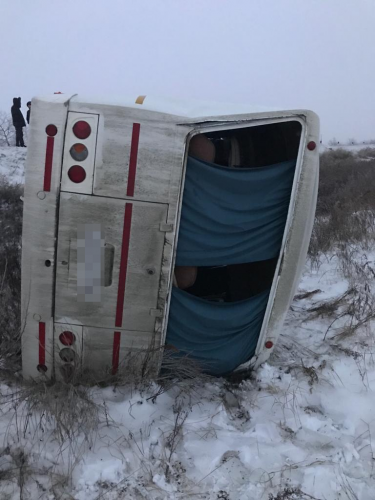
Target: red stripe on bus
48,164
42,343
116,352
123,263
133,159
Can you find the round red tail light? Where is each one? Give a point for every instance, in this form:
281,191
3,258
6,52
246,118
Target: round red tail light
268,344
77,174
81,130
51,130
311,146
79,152
67,338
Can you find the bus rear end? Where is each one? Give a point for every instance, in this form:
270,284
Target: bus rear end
96,246
104,191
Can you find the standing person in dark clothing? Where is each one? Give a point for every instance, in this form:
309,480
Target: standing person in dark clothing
18,121
28,112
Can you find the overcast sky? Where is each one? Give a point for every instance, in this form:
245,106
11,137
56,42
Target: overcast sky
315,54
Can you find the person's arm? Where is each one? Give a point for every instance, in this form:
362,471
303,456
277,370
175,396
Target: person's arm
185,276
22,119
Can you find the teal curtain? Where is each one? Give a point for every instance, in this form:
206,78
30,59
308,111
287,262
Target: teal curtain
229,216
233,215
219,335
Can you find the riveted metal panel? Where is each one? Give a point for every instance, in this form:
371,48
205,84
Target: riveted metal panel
143,264
129,139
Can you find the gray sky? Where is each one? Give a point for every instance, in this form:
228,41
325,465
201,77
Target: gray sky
315,54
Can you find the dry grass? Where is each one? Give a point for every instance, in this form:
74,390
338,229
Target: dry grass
70,408
345,229
346,202
355,308
366,153
10,276
70,404
289,493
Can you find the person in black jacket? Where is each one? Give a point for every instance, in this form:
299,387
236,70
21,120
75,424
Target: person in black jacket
28,112
18,121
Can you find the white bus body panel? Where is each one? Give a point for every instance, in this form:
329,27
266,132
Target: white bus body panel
50,293
38,237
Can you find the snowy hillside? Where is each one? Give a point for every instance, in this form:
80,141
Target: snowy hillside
12,164
302,427
353,148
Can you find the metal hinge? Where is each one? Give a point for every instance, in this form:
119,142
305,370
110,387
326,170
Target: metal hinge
166,228
156,313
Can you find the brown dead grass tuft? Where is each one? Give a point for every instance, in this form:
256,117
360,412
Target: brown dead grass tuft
10,276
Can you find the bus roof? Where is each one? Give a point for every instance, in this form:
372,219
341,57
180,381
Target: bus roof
179,107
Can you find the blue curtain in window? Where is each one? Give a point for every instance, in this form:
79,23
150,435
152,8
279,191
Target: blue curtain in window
219,335
233,215
229,216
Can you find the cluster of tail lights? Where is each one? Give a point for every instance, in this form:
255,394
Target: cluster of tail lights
79,151
67,353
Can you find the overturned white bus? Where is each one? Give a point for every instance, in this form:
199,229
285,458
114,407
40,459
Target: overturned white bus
153,223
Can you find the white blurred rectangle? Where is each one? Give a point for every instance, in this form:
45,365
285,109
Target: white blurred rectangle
90,262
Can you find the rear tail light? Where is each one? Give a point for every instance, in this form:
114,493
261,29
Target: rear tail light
311,146
51,130
79,152
67,338
82,129
67,355
77,174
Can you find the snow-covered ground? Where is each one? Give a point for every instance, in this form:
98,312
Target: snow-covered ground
354,148
12,161
304,422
